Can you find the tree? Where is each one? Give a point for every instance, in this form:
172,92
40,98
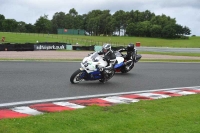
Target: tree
130,17
93,21
186,30
2,18
169,31
145,27
148,15
120,20
9,25
155,31
131,29
71,19
162,20
30,28
58,21
21,26
43,25
179,29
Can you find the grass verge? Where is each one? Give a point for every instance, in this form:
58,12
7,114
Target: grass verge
11,37
170,115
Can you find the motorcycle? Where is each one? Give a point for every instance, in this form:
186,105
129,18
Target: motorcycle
128,61
90,69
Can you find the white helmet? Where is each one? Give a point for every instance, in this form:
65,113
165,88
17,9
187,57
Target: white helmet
106,48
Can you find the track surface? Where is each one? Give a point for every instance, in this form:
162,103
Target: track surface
25,81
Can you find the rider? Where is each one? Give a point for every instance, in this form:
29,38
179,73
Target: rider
109,57
131,55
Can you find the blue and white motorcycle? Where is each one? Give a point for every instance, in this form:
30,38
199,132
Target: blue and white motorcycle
90,69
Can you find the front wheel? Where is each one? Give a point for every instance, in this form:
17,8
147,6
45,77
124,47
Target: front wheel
76,77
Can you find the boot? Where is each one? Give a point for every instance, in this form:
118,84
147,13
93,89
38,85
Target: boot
138,57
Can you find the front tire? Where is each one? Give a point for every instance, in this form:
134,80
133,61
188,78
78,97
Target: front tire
75,78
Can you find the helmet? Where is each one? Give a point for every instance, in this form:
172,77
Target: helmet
130,47
106,48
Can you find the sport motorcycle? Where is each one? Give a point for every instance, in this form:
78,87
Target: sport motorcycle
91,67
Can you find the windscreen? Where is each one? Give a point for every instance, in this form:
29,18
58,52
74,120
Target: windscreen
95,56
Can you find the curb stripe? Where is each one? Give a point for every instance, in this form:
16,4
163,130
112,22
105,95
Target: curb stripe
181,92
68,104
167,93
95,101
190,90
137,96
6,113
26,110
153,95
49,107
117,99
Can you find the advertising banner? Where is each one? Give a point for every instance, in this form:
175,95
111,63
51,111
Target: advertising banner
49,46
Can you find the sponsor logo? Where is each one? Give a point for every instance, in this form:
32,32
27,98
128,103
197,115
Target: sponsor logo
49,47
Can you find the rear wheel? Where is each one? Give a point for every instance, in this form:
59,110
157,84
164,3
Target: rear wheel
123,70
76,77
126,68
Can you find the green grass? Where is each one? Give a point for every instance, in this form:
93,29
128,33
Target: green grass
192,42
170,115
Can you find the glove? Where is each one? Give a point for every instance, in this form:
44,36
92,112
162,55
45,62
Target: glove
101,69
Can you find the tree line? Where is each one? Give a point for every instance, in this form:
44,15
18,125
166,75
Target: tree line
101,23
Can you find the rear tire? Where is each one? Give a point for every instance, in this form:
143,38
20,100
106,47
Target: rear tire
125,68
75,78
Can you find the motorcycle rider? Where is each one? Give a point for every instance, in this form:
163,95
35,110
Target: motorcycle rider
110,58
131,55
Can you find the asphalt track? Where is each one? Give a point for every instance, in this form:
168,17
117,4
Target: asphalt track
26,81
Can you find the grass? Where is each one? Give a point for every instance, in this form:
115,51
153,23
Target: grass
192,42
170,115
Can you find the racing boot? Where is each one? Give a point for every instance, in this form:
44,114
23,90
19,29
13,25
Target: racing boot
138,57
